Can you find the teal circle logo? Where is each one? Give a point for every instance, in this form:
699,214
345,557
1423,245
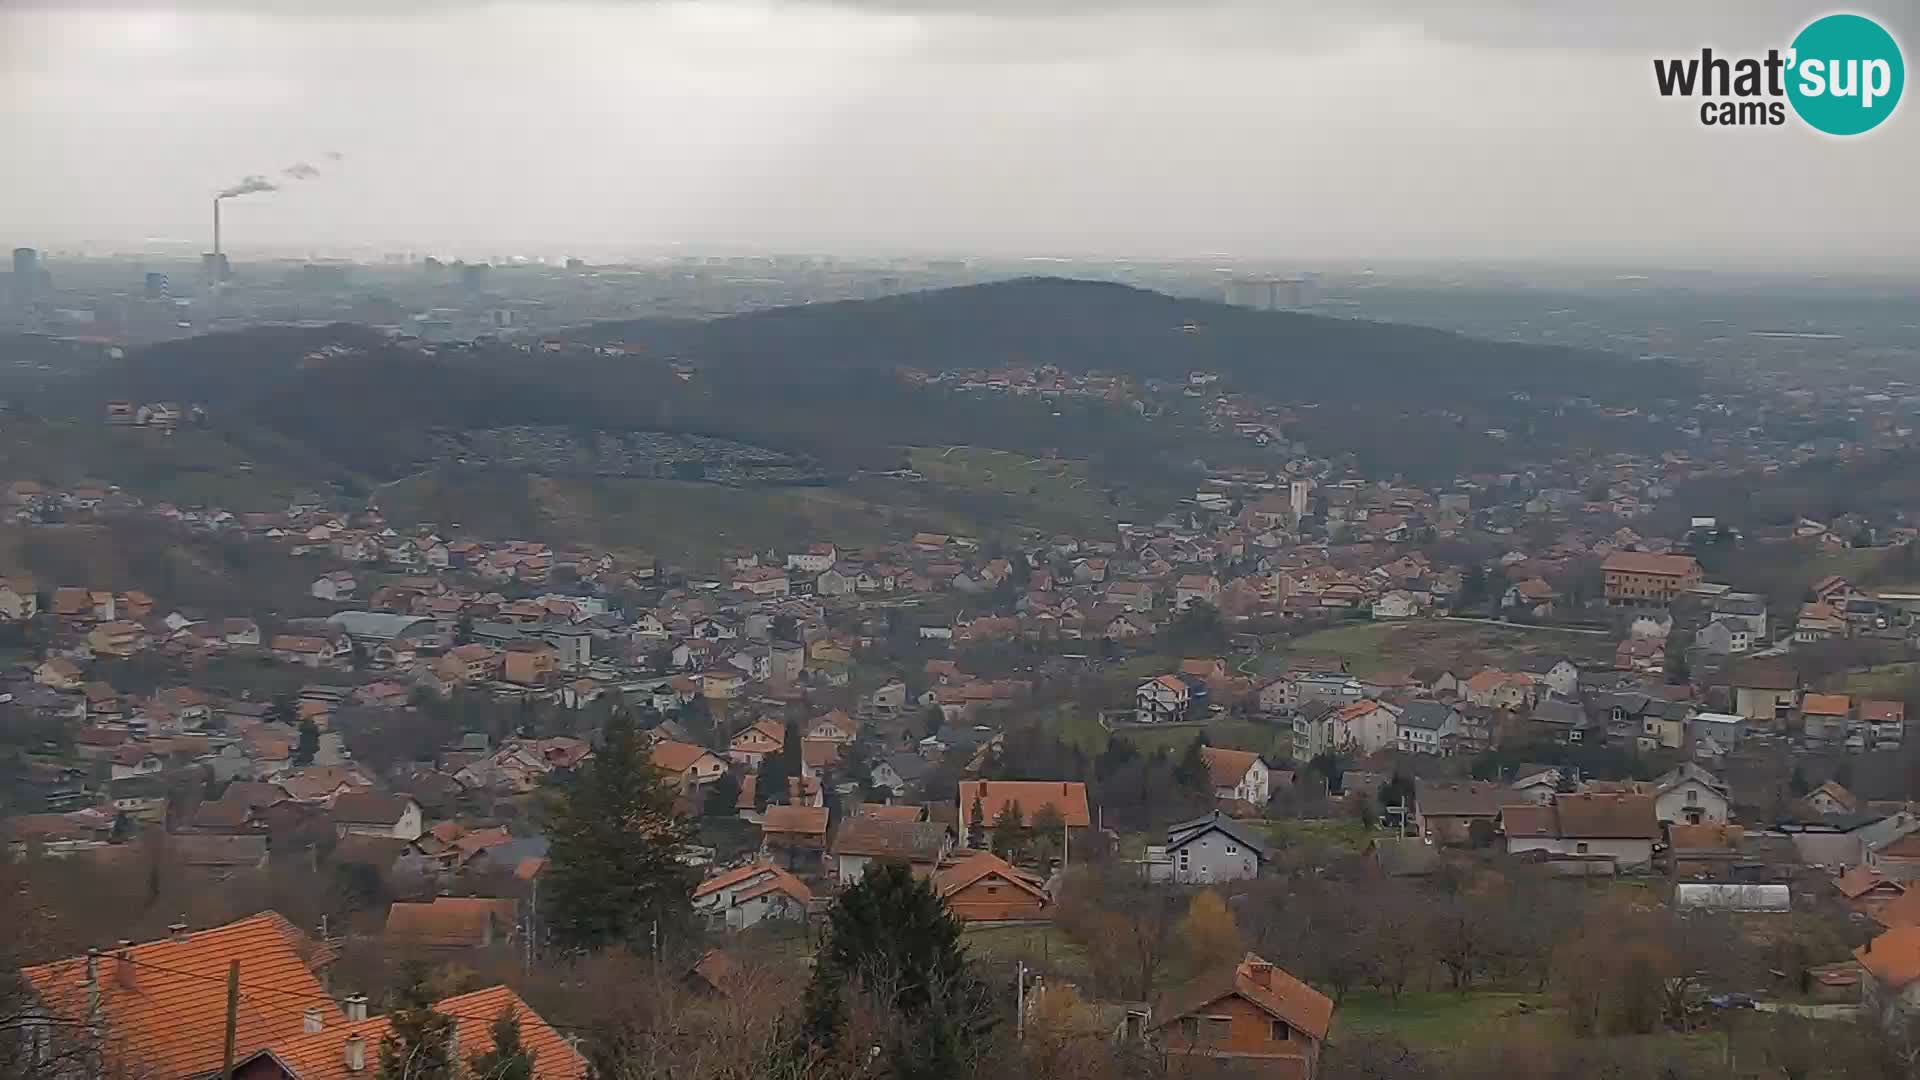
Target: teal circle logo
1846,74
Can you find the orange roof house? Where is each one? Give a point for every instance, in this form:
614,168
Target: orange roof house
1252,1012
1893,958
1830,705
1227,768
452,922
987,888
1070,798
324,1054
163,1003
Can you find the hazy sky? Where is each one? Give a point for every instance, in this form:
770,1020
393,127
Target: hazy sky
1309,128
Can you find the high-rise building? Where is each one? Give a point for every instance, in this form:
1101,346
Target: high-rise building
1297,497
156,286
26,274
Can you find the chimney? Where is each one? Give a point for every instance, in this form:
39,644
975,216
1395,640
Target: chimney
91,984
1261,974
356,1053
356,1008
123,972
310,1021
177,931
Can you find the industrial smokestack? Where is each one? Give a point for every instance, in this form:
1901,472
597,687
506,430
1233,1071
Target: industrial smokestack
216,226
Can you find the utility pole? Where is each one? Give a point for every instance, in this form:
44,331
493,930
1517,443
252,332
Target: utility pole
1019,1000
233,1019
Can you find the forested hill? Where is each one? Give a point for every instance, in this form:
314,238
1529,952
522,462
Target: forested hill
1082,325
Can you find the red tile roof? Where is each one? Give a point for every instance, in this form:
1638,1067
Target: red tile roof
466,922
1070,798
1226,768
1280,995
322,1054
164,1002
1893,957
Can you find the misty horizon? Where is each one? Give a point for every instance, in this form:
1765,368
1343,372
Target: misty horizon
1493,131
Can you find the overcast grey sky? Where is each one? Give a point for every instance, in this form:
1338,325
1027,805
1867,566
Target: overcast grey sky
1310,128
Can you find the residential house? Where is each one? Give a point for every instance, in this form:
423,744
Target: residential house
1238,776
312,652
158,1004
1885,721
1423,727
898,772
1724,636
1195,587
749,895
797,834
864,839
1644,579
1892,964
1495,689
1832,798
1367,727
18,599
752,745
1460,813
529,663
366,813
1621,827
1824,717
1207,850
1252,1015
118,637
1766,693
986,888
1867,890
1162,699
335,586
836,726
1690,795
452,923
329,1048
691,767
1818,622
1027,797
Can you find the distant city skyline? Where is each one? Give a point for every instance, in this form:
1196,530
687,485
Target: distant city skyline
1383,130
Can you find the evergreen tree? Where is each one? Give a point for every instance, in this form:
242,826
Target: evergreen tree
614,847
723,796
510,1059
1192,772
1009,830
976,824
419,1041
779,767
309,743
285,709
891,935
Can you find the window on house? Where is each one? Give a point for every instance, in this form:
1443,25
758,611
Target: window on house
1280,1031
1233,849
1190,1028
1218,1029
1580,848
993,890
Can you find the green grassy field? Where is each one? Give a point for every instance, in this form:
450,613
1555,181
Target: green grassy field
1082,728
191,467
1888,680
1338,832
1438,1020
1369,647
1046,947
1050,495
